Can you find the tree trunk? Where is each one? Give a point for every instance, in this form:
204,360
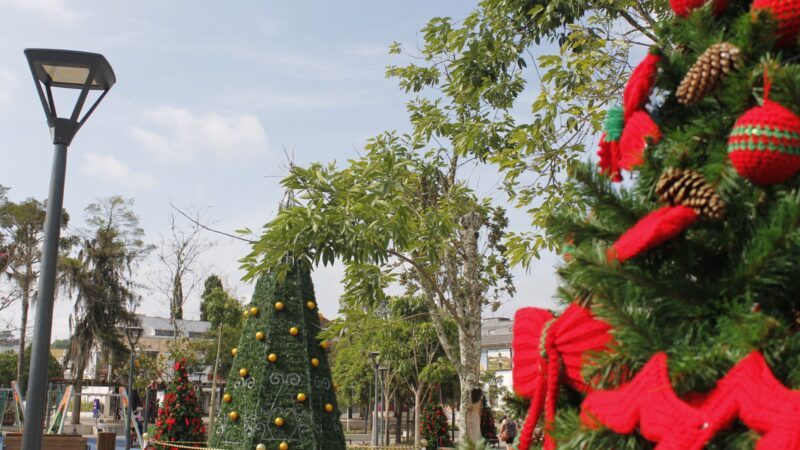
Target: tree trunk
469,422
398,420
387,396
23,328
417,405
76,405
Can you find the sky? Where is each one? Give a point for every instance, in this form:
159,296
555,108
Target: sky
210,97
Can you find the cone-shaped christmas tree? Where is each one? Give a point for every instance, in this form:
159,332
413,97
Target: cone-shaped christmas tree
684,325
434,426
279,394
180,417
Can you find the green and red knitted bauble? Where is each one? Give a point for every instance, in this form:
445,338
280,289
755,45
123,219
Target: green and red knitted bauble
764,145
685,7
787,14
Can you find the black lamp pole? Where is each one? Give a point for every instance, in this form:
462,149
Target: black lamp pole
133,334
374,357
71,70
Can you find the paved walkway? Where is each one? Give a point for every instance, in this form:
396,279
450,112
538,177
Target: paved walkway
93,443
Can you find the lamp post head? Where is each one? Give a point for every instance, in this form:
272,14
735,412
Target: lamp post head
70,70
133,334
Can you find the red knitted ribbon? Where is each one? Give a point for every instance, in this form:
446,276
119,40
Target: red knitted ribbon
542,346
685,7
660,225
748,392
640,85
787,14
639,130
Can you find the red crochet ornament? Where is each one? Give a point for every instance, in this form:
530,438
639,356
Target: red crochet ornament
542,347
623,143
787,14
748,392
640,85
764,145
655,228
685,7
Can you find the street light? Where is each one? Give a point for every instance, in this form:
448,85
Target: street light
374,357
69,70
133,334
384,407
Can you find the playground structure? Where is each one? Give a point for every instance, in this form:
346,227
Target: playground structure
107,412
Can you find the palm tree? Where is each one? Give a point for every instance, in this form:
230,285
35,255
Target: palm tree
100,277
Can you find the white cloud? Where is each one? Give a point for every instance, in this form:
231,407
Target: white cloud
51,9
111,171
180,135
8,84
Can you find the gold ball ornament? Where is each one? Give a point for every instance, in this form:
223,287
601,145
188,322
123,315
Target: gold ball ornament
243,372
234,351
294,331
227,398
311,305
246,313
261,336
145,436
261,447
279,306
234,416
254,311
324,345
272,357
283,446
279,421
328,407
314,362
301,397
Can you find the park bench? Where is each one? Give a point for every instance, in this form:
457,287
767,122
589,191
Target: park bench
13,441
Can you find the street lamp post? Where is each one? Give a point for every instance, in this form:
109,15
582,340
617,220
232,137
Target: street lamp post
133,334
69,70
384,428
374,357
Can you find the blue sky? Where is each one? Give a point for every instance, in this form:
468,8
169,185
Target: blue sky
208,95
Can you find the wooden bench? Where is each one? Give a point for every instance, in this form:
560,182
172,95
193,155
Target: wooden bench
13,441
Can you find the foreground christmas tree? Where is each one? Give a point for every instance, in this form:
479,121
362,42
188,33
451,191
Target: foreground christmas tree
279,394
682,283
180,418
434,426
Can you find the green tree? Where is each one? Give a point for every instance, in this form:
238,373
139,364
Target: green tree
219,307
473,76
22,225
400,213
8,365
99,275
279,389
726,285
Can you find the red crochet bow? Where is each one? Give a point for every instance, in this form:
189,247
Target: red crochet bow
749,392
542,345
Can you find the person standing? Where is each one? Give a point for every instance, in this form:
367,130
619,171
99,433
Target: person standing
508,432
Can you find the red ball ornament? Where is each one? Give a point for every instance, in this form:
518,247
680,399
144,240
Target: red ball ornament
685,7
787,14
764,145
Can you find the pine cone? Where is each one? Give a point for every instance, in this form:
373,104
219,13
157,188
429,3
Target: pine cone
705,74
689,188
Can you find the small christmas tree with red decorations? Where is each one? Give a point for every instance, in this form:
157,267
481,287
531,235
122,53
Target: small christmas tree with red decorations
488,428
180,417
434,426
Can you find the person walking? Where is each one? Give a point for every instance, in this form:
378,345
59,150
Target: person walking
508,432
